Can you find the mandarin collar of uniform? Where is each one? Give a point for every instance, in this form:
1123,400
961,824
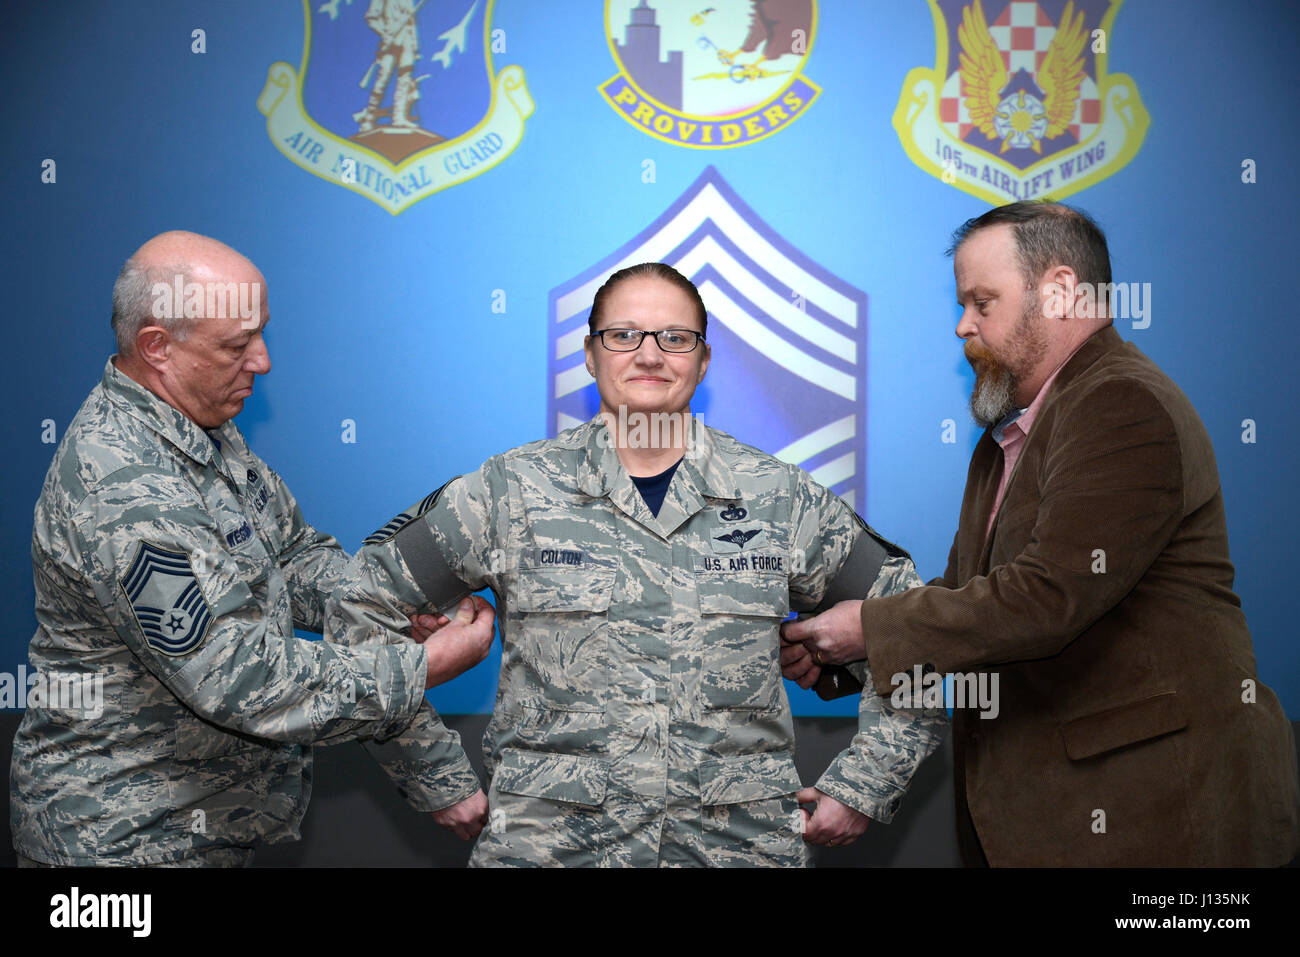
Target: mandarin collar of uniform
168,422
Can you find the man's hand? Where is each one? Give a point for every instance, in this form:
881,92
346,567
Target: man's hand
832,638
830,823
422,626
461,643
467,818
797,664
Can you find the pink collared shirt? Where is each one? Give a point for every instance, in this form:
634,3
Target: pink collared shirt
1011,437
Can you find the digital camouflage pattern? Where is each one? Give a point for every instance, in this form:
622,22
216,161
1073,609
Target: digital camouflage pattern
174,568
640,717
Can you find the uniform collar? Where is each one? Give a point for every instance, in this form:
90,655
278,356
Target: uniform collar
708,471
702,473
600,470
168,422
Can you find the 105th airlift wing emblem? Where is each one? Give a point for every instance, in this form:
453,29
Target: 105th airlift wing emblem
1020,104
397,99
706,76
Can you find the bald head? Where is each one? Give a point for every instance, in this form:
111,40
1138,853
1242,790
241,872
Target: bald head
177,245
174,260
189,313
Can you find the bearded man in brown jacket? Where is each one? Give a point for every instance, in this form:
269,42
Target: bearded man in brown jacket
1090,574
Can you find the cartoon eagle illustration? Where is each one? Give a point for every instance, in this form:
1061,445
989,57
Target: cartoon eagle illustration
772,25
1021,119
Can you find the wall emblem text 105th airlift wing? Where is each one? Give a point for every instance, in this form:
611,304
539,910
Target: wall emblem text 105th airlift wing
397,99
1020,104
789,338
714,76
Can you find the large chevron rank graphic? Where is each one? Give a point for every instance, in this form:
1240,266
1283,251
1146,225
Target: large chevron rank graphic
788,373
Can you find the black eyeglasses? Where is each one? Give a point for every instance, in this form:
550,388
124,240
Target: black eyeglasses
670,340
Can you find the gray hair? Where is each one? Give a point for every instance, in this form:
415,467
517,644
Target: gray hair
133,300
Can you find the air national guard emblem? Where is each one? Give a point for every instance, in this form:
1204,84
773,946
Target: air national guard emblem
789,338
710,76
401,99
166,599
1019,105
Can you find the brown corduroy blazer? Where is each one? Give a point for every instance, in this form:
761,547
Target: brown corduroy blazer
1132,727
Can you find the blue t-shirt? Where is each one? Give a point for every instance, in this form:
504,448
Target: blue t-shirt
653,488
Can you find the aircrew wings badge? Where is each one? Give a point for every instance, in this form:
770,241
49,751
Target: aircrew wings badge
166,600
1020,105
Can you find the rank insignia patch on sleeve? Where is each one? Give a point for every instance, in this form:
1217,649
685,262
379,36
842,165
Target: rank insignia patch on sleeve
166,600
402,519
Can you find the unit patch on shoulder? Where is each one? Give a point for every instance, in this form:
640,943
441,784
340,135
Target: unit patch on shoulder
166,600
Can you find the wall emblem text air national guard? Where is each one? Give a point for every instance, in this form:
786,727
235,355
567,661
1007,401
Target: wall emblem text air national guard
401,99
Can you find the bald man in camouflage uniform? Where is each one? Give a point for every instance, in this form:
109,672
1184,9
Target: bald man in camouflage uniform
640,715
172,565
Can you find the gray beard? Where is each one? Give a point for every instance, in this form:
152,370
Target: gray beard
994,396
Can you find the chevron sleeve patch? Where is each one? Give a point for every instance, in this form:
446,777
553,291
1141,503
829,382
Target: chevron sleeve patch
166,599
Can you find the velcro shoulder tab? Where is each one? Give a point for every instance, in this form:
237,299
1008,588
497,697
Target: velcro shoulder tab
856,575
431,571
894,551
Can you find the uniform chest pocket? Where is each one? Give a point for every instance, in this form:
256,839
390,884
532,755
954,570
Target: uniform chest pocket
564,636
740,620
254,566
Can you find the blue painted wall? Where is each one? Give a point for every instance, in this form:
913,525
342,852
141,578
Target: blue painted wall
387,320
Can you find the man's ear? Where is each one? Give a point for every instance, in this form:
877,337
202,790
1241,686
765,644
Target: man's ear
1059,295
153,345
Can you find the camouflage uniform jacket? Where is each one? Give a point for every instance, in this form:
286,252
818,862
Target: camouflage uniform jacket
172,569
640,677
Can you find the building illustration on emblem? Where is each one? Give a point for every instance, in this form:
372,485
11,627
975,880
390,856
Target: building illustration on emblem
660,79
396,99
711,77
788,372
1020,105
